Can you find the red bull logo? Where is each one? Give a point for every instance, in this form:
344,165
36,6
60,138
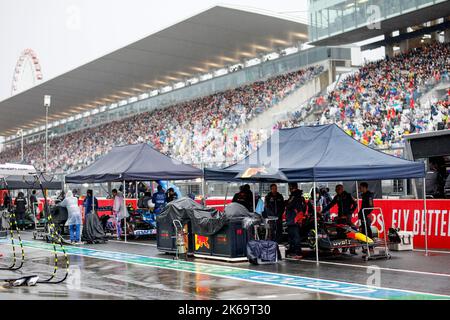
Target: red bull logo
201,241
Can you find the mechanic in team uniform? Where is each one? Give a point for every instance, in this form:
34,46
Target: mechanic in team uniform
367,203
295,206
171,195
34,202
274,206
244,197
346,206
325,193
144,200
159,199
21,206
6,200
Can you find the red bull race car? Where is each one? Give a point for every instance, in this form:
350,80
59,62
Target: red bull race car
332,236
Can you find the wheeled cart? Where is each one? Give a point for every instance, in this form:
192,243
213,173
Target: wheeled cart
379,246
180,241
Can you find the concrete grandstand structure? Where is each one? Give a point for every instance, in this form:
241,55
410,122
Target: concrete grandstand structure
196,46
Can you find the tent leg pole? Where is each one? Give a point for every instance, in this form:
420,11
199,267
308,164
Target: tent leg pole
253,185
203,185
125,206
357,195
425,215
226,195
315,223
136,192
357,198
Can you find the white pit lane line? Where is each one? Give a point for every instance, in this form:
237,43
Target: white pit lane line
372,267
336,263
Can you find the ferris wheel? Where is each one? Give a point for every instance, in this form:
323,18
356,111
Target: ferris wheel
27,72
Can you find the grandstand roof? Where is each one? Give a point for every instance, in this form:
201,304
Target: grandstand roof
212,39
404,20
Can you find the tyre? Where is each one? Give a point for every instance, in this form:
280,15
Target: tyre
312,238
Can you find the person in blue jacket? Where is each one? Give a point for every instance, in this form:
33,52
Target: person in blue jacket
159,199
87,203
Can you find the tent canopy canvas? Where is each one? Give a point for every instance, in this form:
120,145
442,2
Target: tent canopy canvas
30,183
16,169
321,153
137,162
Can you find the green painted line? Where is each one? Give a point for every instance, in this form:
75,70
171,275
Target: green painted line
340,288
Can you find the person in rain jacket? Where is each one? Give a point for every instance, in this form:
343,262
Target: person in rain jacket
74,216
295,205
120,211
274,206
159,199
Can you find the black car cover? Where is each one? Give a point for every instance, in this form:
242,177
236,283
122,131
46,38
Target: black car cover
92,229
236,211
204,220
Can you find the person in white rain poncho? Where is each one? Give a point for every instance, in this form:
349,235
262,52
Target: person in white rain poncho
120,211
74,216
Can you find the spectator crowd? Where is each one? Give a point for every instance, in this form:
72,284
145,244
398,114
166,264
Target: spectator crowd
379,103
376,105
206,130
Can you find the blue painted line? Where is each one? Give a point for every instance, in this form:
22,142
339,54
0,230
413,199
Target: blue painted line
333,287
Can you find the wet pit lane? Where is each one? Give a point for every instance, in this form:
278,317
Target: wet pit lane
92,278
103,277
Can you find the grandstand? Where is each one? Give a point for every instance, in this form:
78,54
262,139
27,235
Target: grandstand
245,73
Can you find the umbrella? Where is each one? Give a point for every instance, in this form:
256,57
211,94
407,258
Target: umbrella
261,174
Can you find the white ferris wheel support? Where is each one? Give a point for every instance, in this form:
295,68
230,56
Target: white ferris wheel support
27,72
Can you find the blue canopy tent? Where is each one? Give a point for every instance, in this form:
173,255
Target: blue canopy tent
322,153
137,162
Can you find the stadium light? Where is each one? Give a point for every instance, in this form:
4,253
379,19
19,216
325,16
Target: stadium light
47,102
228,59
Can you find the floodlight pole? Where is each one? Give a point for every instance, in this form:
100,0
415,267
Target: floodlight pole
46,139
21,143
47,101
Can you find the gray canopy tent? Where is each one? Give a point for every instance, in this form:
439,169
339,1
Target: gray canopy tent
322,153
29,183
136,162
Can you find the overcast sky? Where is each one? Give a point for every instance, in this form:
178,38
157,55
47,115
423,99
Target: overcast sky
68,33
